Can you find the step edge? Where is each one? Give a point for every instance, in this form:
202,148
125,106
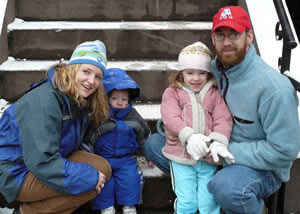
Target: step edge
13,65
19,24
147,110
147,171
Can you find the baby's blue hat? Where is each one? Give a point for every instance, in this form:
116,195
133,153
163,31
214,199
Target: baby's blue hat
91,52
117,78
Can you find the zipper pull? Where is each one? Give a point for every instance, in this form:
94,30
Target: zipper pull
198,98
221,80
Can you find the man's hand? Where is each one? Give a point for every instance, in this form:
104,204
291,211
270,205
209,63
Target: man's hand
209,159
218,149
171,138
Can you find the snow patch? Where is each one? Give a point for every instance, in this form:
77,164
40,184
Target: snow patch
38,65
19,24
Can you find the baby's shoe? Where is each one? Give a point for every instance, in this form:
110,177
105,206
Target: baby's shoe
109,210
129,210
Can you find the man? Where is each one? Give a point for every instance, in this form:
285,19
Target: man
265,138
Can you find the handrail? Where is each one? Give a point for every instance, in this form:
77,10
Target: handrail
3,5
284,61
289,42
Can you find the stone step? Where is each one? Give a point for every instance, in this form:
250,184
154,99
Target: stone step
124,40
117,10
164,197
158,196
158,202
150,112
151,76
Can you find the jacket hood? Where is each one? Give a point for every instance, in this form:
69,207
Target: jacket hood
116,78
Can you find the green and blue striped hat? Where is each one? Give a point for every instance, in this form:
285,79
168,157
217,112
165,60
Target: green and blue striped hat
90,52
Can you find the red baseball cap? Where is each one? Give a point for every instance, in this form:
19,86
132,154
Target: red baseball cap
232,16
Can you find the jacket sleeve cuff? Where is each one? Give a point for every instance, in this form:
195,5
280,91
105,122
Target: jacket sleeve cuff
184,134
219,137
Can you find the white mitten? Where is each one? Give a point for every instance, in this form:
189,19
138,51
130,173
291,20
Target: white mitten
196,146
218,149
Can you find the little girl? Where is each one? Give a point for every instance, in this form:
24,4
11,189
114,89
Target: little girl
193,111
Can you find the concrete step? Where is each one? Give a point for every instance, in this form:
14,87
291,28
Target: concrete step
159,202
151,76
142,37
129,10
150,112
124,40
158,196
164,197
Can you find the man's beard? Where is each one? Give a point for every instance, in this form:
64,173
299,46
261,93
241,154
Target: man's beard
232,59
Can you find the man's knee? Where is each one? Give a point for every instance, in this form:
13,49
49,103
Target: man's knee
233,191
154,144
219,188
148,146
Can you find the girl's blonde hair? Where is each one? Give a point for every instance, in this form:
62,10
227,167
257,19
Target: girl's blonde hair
96,103
177,77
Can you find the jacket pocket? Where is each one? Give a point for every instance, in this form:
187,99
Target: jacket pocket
243,121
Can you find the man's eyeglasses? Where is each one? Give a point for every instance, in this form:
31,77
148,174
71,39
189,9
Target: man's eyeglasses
219,36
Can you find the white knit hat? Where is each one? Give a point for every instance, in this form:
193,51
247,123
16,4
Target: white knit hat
195,56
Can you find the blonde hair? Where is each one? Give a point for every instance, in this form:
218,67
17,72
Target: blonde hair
96,103
177,77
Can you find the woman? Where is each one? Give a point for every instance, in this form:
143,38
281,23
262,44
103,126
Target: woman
41,133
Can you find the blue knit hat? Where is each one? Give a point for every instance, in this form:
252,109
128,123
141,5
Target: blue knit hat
91,52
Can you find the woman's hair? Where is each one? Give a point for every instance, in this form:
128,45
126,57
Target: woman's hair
96,103
177,77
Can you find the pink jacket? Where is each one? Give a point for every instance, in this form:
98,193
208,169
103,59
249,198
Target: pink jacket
185,113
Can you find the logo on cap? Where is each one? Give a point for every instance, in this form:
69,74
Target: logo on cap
226,14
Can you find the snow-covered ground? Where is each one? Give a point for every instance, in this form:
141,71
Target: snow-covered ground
6,211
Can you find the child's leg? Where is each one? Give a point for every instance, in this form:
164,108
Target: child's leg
107,196
184,182
106,199
129,181
206,201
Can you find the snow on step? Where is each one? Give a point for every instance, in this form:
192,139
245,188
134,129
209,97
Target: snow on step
38,65
19,24
3,105
147,111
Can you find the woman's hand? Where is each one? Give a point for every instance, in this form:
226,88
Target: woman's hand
101,181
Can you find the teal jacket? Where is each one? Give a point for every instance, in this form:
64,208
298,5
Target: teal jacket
263,103
37,134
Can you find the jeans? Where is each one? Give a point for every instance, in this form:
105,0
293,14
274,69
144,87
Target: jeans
240,189
153,149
